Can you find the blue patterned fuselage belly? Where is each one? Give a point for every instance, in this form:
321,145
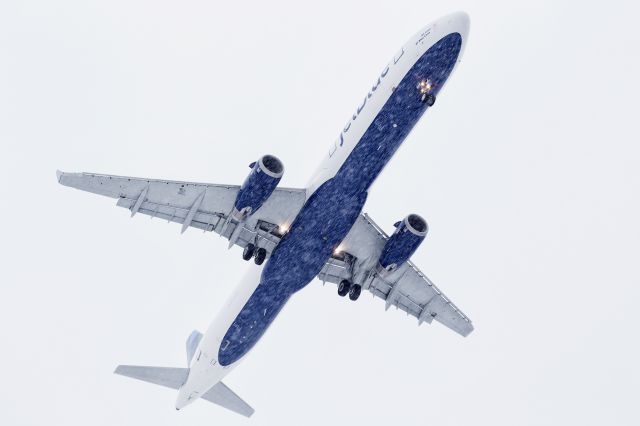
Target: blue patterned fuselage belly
333,208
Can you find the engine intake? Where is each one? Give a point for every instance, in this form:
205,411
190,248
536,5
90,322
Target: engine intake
409,234
258,187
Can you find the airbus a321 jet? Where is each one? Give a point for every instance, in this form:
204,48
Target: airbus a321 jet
296,235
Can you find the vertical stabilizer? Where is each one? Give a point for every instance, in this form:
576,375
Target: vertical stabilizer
192,344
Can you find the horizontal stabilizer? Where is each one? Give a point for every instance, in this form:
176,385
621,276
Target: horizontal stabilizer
164,376
223,396
174,378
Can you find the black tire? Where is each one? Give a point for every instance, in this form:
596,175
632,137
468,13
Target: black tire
344,287
354,291
249,249
260,256
430,100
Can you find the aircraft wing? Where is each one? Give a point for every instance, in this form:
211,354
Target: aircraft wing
199,205
406,288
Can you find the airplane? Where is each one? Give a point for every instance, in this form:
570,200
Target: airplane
296,235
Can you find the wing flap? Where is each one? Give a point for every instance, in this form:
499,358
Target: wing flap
207,221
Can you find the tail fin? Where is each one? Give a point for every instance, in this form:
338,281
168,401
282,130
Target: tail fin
174,378
192,344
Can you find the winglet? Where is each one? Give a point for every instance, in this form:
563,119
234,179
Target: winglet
59,174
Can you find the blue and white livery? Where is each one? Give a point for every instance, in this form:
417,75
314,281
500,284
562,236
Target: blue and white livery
296,235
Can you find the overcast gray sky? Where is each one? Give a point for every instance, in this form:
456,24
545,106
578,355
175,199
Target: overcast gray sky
527,169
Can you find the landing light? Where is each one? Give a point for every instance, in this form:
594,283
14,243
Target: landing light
338,250
425,87
283,228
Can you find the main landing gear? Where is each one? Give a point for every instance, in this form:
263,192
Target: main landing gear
346,287
259,254
249,249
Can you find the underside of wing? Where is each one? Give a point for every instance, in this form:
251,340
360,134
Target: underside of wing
406,287
198,205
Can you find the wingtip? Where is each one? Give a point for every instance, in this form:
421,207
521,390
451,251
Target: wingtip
467,331
248,413
59,174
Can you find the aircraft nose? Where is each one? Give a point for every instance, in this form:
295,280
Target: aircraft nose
461,21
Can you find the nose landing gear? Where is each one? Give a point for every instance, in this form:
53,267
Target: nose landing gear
428,99
425,87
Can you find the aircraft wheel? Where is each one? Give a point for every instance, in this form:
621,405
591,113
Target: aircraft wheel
248,251
429,100
261,255
354,291
343,288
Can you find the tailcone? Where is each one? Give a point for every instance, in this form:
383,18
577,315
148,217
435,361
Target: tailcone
185,397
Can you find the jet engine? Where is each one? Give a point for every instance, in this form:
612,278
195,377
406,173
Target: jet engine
259,185
409,234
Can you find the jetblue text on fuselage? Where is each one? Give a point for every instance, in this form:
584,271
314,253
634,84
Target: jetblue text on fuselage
364,102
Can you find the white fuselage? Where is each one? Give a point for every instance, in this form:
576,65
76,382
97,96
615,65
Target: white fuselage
205,368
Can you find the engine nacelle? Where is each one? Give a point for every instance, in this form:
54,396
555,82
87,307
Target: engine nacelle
259,185
409,234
